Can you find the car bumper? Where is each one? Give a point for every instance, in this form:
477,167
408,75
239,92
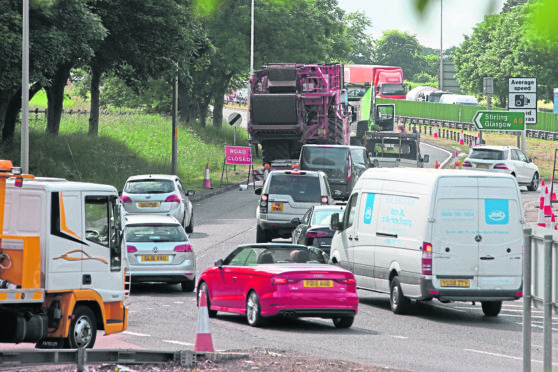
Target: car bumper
467,294
323,305
163,273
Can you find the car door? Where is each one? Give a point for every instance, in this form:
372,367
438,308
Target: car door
186,204
523,166
223,284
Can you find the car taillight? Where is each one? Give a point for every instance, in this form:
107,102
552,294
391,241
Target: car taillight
349,281
263,203
316,234
131,248
467,163
500,166
174,198
325,199
426,258
277,281
125,199
183,248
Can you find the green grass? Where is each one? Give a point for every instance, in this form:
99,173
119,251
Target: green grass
126,145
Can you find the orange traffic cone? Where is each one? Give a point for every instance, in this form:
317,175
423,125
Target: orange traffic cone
206,181
435,130
547,206
436,164
461,139
540,220
553,222
204,343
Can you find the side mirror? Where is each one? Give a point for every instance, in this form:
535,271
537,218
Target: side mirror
426,158
337,194
334,223
296,221
219,263
258,191
529,160
190,192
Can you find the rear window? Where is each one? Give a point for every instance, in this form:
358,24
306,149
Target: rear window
149,187
323,217
486,154
393,148
300,187
332,160
155,233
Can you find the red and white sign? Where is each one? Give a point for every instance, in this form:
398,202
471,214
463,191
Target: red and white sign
238,155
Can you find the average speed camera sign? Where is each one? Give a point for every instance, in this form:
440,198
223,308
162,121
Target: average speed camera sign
522,96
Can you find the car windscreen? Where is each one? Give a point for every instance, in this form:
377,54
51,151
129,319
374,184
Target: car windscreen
487,154
149,187
331,160
300,187
155,233
393,89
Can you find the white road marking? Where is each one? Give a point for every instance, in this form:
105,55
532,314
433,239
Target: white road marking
136,334
178,342
401,337
178,302
498,355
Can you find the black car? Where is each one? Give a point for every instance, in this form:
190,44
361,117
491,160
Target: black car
313,229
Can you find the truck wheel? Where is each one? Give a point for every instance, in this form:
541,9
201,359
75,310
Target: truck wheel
399,303
491,308
83,328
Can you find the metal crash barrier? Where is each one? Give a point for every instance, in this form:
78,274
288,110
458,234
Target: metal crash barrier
540,262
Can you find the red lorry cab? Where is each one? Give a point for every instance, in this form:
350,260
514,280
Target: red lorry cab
387,80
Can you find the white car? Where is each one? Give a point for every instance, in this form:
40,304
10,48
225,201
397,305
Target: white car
159,250
504,159
159,194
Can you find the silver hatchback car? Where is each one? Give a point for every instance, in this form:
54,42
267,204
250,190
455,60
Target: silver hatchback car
159,250
159,194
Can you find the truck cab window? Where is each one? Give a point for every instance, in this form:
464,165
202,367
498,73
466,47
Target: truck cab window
102,225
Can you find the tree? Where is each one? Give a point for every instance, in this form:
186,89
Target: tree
361,44
397,48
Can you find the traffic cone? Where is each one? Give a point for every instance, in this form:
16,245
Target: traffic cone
553,222
541,221
204,343
206,181
461,139
547,206
436,165
435,130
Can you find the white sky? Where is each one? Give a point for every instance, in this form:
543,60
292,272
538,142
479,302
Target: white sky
459,18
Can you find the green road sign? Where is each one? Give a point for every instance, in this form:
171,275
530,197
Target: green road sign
500,120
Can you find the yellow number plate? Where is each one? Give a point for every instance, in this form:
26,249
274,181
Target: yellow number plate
155,259
148,204
485,166
277,207
454,283
318,283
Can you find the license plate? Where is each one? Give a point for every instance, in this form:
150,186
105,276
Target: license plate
484,166
148,204
318,283
277,207
454,283
155,259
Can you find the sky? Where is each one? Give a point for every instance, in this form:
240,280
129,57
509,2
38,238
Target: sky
458,17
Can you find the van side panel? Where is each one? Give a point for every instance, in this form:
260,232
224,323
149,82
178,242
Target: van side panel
364,248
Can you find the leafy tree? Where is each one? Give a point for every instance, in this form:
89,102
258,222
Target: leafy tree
361,44
397,48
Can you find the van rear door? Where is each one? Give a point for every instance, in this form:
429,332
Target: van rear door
477,234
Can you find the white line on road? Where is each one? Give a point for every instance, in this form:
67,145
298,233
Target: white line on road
498,355
178,342
136,334
401,337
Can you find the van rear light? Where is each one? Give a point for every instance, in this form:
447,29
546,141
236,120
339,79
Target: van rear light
183,248
125,199
317,234
325,199
278,281
131,248
174,198
500,166
426,258
519,293
263,203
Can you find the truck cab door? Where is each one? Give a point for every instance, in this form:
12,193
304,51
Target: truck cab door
384,117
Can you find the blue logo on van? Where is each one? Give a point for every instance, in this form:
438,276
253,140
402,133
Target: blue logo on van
496,211
369,208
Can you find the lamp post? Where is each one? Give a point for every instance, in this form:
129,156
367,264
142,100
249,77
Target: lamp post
251,41
440,82
25,90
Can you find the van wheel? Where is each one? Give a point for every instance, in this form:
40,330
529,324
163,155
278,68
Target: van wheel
261,235
399,303
491,308
534,183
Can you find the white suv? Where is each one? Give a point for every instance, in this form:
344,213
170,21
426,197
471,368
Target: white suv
286,195
504,159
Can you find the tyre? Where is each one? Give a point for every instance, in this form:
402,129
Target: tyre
254,310
262,236
83,328
190,228
331,134
343,321
491,308
534,183
399,303
189,285
340,134
203,287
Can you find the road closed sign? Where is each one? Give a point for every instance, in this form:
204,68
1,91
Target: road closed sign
238,155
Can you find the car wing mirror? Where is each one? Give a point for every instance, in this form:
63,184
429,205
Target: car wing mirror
219,263
334,223
190,192
295,220
426,158
529,160
258,191
337,193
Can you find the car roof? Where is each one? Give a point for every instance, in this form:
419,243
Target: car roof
494,147
153,176
328,207
145,218
298,172
337,146
274,245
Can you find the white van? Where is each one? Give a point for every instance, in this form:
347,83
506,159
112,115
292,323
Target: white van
459,99
433,233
